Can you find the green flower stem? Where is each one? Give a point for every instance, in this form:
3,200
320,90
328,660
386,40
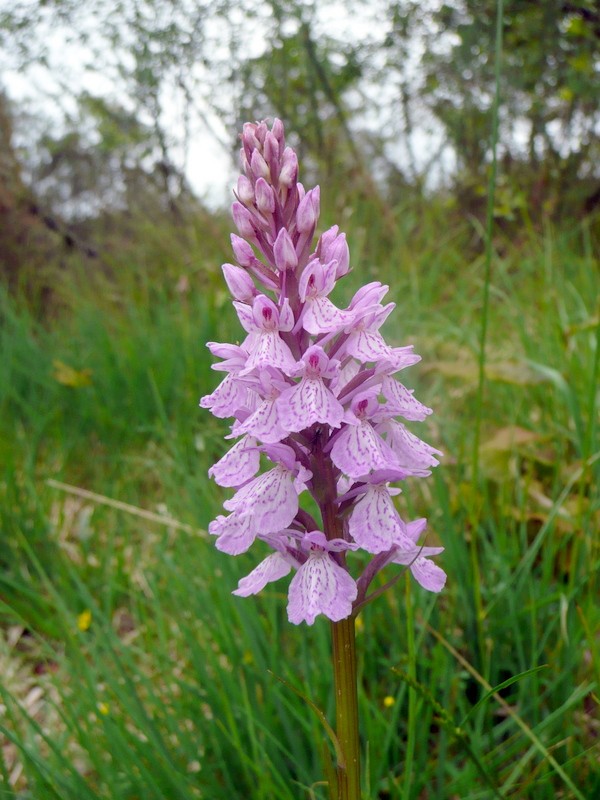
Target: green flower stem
346,708
344,643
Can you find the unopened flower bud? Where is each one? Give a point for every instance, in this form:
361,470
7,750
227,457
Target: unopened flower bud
249,139
289,168
243,221
326,240
271,153
245,190
284,252
367,296
333,247
242,251
259,167
239,282
308,211
244,163
265,199
277,130
261,132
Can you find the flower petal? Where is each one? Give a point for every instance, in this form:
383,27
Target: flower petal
271,569
238,465
269,349
309,402
359,448
270,500
321,586
367,346
402,401
234,533
321,316
411,452
227,398
264,423
428,574
374,523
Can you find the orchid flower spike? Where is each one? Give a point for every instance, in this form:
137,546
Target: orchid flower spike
311,389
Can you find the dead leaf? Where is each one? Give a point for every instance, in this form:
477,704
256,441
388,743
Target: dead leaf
509,438
68,376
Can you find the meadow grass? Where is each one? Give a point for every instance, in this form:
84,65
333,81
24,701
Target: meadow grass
128,669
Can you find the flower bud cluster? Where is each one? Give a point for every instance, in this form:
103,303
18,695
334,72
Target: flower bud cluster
311,391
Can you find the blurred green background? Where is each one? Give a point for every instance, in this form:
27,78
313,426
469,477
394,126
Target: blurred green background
127,669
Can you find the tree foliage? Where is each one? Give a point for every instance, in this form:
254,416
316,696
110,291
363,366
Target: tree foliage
550,84
404,93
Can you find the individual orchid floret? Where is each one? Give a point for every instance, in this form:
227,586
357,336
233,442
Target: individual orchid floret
358,448
245,257
272,151
320,315
311,400
364,341
231,394
243,252
307,214
264,422
272,498
245,191
265,199
258,165
321,585
264,321
266,504
375,524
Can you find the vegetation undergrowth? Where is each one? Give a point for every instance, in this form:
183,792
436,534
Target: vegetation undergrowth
129,670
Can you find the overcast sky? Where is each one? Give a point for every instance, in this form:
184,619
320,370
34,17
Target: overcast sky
49,91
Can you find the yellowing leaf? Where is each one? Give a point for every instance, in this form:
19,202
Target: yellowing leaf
68,376
496,453
84,620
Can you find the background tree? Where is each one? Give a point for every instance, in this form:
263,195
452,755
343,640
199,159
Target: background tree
550,86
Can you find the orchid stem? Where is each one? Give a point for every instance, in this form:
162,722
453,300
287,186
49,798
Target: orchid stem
346,708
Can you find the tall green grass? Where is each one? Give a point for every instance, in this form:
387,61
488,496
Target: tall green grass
172,691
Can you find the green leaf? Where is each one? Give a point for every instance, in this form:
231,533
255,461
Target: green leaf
330,732
502,685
